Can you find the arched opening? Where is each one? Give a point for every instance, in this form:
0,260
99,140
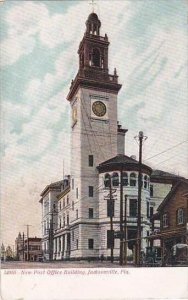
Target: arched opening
115,179
145,182
133,179
125,179
107,180
96,57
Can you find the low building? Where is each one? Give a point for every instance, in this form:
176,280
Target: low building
173,216
28,249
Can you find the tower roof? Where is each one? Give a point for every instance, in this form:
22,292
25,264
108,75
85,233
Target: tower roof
124,162
93,16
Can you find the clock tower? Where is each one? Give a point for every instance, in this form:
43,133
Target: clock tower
93,101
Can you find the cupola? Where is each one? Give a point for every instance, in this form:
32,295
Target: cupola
93,24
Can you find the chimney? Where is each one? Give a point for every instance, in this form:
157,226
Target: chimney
121,139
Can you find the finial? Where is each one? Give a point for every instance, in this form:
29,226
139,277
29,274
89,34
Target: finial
115,72
93,5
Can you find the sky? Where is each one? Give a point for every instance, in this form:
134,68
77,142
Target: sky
38,57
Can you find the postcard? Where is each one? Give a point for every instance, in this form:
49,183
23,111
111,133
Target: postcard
94,140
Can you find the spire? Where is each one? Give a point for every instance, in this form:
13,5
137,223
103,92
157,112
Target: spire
93,5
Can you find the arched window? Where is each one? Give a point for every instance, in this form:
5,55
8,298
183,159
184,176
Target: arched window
180,216
125,179
96,57
148,183
107,180
115,179
133,179
145,182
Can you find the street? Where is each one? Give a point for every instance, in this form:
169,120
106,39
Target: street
59,264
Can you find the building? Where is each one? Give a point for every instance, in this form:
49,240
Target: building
173,216
28,249
3,254
78,220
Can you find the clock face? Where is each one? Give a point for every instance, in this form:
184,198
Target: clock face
99,108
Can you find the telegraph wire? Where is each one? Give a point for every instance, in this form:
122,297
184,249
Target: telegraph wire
168,149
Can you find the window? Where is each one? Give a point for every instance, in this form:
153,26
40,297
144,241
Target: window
76,193
90,160
90,213
63,219
60,205
73,235
148,181
151,190
77,214
90,191
115,179
180,216
59,244
63,202
72,205
107,180
132,179
90,243
133,208
151,211
110,239
72,183
165,220
67,200
77,244
145,182
110,208
59,222
148,210
67,219
125,179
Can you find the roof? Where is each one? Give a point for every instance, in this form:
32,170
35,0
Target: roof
121,160
161,176
52,185
93,16
172,192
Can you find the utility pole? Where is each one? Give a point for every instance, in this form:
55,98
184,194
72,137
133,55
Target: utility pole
27,241
125,232
23,245
121,219
51,238
138,244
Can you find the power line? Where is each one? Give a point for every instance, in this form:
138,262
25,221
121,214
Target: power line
168,149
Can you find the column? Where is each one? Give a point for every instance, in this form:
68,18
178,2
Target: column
65,249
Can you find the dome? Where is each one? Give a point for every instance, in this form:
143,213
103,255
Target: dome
93,16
